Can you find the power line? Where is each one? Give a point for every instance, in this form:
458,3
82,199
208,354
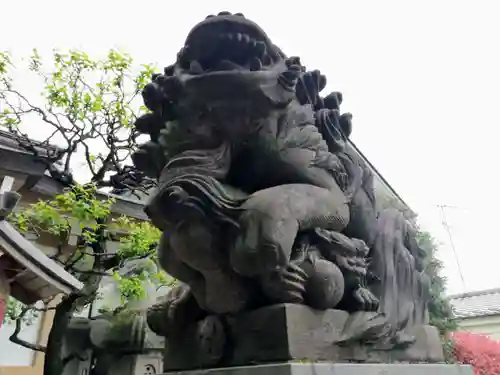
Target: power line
447,228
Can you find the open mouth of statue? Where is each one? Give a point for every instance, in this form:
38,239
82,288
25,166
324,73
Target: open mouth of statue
227,43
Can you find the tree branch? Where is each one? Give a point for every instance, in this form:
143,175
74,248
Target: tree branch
15,335
92,272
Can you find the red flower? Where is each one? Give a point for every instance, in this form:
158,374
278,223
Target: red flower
479,351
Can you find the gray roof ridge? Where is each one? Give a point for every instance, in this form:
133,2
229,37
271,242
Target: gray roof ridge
474,293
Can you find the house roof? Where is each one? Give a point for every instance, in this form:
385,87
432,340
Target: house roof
381,178
476,304
32,275
10,141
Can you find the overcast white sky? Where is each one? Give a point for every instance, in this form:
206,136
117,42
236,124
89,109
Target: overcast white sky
421,77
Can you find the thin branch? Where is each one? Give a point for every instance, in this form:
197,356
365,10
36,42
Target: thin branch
33,108
15,335
92,272
88,159
78,258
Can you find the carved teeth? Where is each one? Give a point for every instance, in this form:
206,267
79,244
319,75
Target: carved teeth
266,59
255,64
195,67
260,48
238,37
239,50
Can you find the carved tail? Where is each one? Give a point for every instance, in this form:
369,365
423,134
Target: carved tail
402,288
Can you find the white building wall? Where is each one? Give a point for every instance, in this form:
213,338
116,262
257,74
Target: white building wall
484,325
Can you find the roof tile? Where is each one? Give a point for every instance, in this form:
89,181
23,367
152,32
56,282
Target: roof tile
475,304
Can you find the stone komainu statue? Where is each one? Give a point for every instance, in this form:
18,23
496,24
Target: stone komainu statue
263,201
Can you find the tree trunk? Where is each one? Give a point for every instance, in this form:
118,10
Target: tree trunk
53,362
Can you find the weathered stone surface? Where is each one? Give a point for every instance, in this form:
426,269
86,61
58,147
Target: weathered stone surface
427,346
283,332
263,201
294,332
337,369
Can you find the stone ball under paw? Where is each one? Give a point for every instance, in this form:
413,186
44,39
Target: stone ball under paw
325,285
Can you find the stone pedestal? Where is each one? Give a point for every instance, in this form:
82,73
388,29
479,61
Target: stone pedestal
282,333
337,369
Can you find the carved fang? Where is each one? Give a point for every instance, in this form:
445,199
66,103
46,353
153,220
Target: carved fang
255,64
195,67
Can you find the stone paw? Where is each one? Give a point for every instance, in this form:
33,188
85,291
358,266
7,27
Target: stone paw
365,299
211,340
163,317
286,285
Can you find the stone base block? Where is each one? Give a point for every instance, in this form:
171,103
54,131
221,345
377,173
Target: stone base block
282,333
337,369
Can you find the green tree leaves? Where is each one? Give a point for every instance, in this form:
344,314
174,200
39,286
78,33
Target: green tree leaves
82,206
440,310
88,107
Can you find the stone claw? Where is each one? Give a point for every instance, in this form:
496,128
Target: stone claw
165,316
177,297
366,300
297,272
286,285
